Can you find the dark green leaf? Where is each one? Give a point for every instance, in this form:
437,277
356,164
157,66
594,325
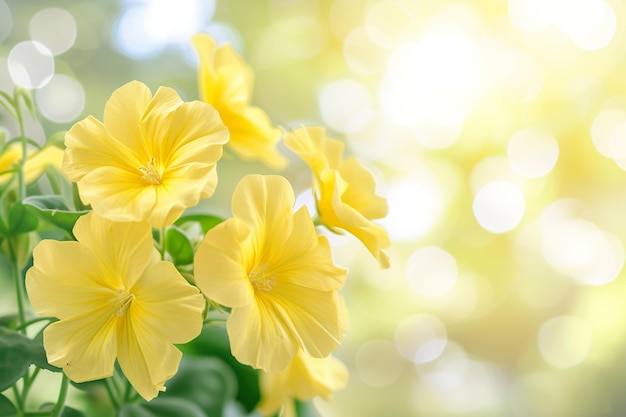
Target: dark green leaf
179,247
7,409
67,411
163,407
8,320
52,209
206,221
21,220
17,352
213,342
205,381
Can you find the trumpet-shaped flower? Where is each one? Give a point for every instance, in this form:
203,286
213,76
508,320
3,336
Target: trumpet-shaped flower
113,299
36,162
225,81
304,379
151,158
275,273
344,189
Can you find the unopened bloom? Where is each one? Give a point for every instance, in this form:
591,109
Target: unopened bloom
36,161
304,379
151,158
113,300
225,81
344,189
275,273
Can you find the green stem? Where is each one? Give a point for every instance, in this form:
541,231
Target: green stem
19,400
112,397
28,382
162,243
21,191
58,407
17,276
33,321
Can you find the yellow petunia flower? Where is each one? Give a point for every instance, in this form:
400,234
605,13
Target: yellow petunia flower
113,299
275,273
344,189
225,81
151,158
36,162
304,379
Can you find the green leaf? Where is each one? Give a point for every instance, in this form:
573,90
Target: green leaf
163,407
213,342
206,221
21,220
206,381
7,409
52,209
67,411
17,352
179,247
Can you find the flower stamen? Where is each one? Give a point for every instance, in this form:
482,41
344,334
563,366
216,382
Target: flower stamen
150,172
126,299
261,280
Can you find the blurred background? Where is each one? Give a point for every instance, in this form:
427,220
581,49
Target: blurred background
497,131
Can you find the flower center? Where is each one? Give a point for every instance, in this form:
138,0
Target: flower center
151,173
262,280
124,300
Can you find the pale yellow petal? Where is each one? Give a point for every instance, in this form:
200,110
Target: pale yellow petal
253,136
313,316
38,161
122,113
306,259
308,144
311,377
205,47
117,194
84,345
124,248
334,213
265,203
89,146
145,358
66,279
167,304
220,264
156,122
194,131
361,191
261,335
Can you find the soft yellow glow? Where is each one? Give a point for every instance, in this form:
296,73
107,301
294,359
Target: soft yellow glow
388,22
415,205
603,127
346,105
499,206
378,363
533,152
431,272
564,341
421,338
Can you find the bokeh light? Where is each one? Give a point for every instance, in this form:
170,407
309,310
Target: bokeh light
55,28
62,99
31,64
6,20
499,206
564,341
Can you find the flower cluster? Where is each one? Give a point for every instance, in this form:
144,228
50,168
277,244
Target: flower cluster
115,290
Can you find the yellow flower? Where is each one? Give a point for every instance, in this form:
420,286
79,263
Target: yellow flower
113,299
304,379
150,159
36,162
225,81
275,273
344,189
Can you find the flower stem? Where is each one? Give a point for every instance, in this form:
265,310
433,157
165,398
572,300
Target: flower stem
19,292
107,384
33,321
58,407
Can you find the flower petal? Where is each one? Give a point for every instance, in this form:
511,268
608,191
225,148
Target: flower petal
67,278
123,248
146,359
265,203
167,304
84,345
220,264
360,193
117,194
89,146
122,114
